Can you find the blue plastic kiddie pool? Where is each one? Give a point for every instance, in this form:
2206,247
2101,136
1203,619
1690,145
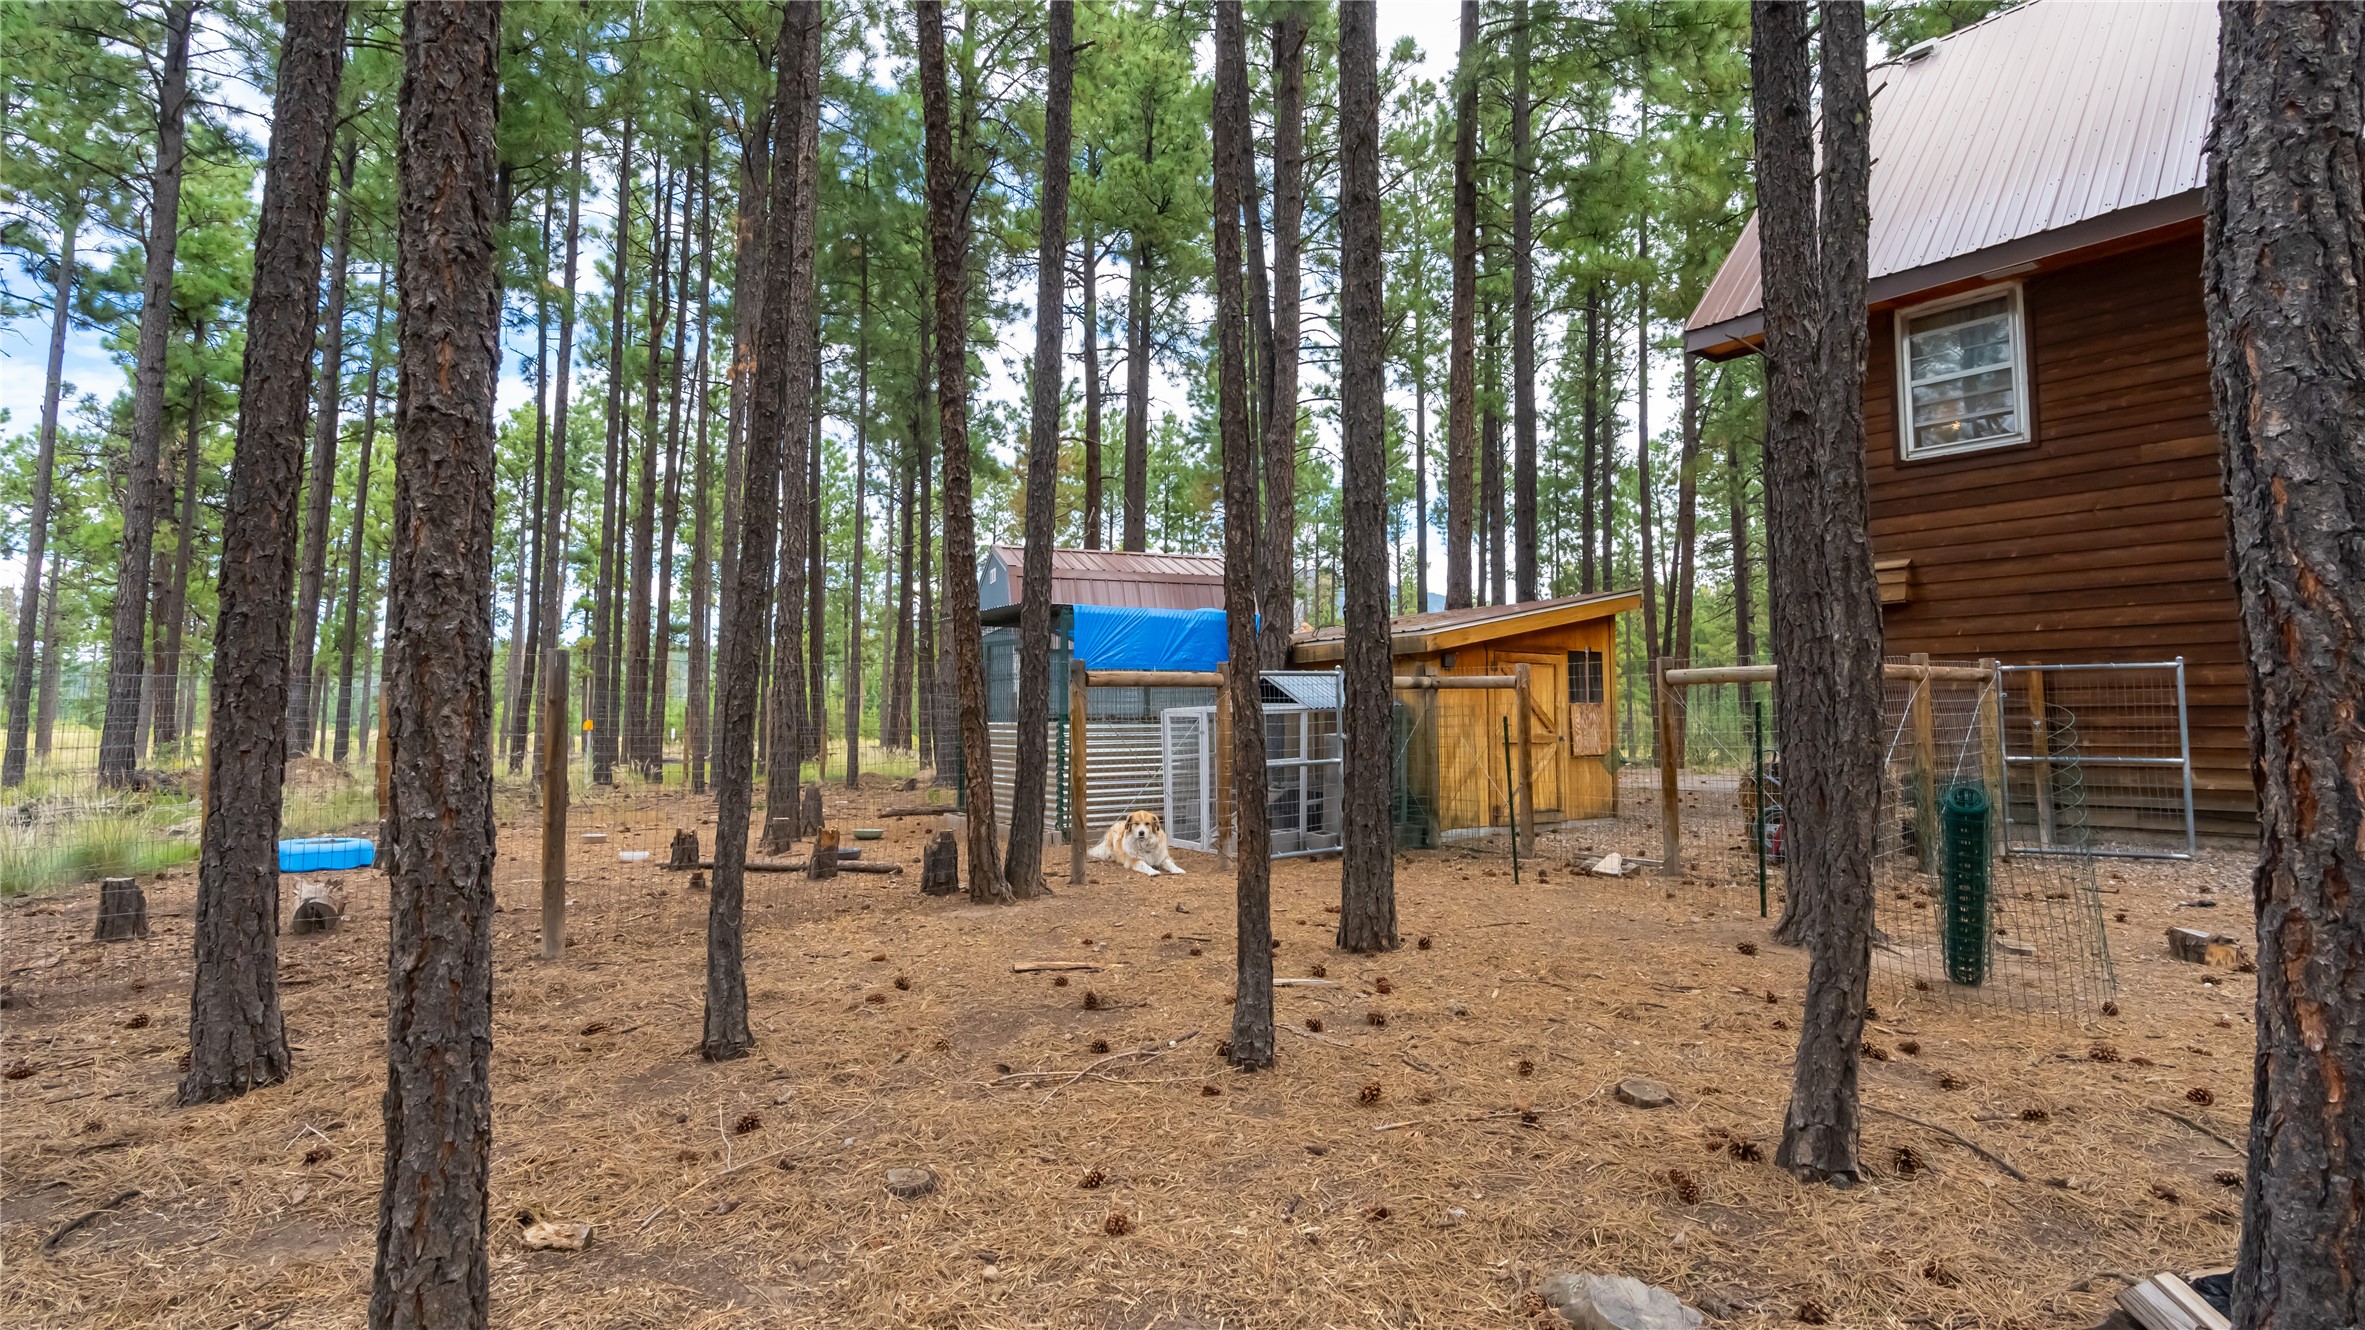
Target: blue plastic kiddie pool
315,854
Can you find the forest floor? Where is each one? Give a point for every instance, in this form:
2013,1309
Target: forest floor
1381,1174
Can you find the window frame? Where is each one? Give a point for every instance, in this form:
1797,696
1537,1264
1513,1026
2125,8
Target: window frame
1909,449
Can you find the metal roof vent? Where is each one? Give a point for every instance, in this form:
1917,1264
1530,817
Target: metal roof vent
1919,51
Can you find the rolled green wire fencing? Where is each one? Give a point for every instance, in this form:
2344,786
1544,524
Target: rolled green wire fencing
1962,820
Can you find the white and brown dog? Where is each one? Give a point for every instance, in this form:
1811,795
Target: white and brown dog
1138,843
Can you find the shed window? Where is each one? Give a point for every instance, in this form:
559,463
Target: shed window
1963,374
1584,677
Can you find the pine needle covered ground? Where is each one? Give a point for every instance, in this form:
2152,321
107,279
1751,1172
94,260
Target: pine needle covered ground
1447,1137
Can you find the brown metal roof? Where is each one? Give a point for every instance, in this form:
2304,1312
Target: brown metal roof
2042,129
1138,579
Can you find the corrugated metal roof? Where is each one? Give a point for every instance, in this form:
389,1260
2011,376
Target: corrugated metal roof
1134,579
1407,631
2030,122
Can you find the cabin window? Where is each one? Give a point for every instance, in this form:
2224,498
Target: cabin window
1584,677
1962,374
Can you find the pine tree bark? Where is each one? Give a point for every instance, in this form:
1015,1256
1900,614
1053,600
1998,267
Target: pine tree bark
1737,519
895,711
861,523
636,738
696,732
1252,1013
1023,869
127,634
432,1267
1687,516
525,666
926,662
1422,517
750,231
1278,593
176,613
555,497
603,600
1589,578
1827,626
790,724
350,641
236,1038
948,230
1367,877
669,520
1523,304
28,610
1645,501
1490,481
320,475
1089,256
1461,389
763,349
1137,358
817,572
2284,259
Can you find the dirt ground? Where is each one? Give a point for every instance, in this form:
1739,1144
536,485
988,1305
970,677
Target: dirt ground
1448,1139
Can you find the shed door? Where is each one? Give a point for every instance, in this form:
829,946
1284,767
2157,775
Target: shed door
1186,737
1584,682
1546,687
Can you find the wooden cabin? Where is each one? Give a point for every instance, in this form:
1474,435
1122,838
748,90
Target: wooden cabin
1451,775
2044,472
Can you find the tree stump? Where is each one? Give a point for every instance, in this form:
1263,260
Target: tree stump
320,907
123,910
697,882
940,865
811,811
824,863
685,850
780,833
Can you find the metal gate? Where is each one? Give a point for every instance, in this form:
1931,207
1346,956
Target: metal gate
1186,741
2098,759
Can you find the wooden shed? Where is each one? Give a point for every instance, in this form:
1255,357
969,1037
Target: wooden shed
2043,467
1450,749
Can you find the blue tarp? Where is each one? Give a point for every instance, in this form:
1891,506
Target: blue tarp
1116,637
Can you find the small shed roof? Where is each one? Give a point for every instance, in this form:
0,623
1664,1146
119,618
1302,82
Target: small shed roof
2047,128
1140,579
1444,630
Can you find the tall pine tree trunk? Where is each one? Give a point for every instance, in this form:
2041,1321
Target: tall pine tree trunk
638,743
1490,483
1461,389
1089,253
29,601
603,600
1252,1012
1523,306
1827,627
948,230
348,642
854,584
320,476
2284,256
1687,516
926,662
1367,877
1137,358
432,1267
695,729
554,499
127,634
1278,594
1023,869
176,613
790,727
236,1039
1589,579
669,521
1646,508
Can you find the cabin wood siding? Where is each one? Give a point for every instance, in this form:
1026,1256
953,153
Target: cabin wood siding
1573,779
2105,538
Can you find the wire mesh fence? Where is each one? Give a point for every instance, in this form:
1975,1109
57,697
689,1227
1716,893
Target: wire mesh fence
1958,914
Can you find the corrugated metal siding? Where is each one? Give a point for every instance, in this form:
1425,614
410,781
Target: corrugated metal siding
2037,119
1123,771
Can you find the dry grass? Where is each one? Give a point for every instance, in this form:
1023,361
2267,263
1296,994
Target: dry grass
751,1193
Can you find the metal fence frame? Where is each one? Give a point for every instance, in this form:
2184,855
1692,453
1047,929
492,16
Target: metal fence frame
2182,763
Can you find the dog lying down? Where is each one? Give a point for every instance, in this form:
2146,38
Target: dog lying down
1138,843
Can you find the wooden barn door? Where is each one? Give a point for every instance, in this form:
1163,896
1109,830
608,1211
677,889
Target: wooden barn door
1547,687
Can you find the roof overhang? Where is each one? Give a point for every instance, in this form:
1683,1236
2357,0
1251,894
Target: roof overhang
2139,227
1511,623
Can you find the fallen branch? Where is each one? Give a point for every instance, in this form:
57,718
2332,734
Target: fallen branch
1304,983
919,810
2205,1131
1521,1113
49,1244
1041,967
1146,1053
1957,1137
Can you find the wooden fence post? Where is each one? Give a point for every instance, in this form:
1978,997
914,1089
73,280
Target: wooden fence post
555,743
1223,763
1670,762
1991,751
1527,762
1078,825
1925,767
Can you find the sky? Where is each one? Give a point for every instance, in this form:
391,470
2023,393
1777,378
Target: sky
1433,25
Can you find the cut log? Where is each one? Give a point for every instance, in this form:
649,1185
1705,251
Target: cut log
2165,1302
940,865
123,910
2198,948
685,849
320,907
811,810
824,862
